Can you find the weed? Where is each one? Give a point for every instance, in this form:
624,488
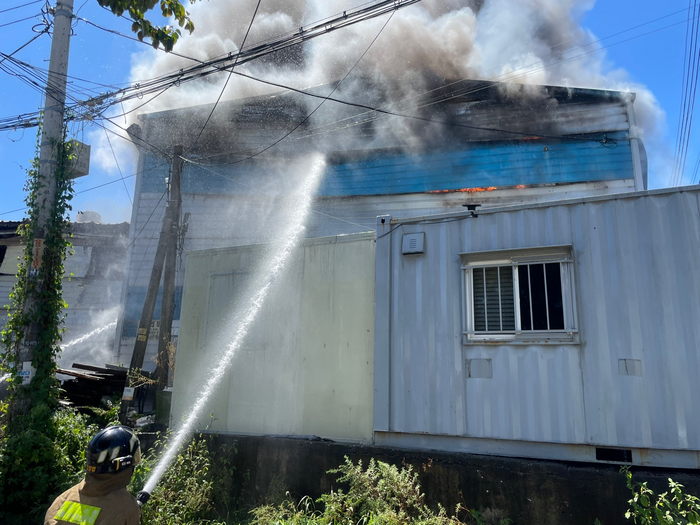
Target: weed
673,507
381,494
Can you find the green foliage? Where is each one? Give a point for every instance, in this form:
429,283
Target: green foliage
31,464
673,507
55,461
381,494
144,28
73,433
184,494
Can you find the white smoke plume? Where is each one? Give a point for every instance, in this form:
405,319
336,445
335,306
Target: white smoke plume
520,41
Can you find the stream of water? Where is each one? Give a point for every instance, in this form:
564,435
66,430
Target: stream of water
88,336
291,233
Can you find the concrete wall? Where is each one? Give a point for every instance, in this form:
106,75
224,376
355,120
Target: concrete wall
306,366
524,491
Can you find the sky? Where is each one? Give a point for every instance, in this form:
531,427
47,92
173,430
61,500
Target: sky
649,53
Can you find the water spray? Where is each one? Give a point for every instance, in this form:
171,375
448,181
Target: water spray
88,336
288,241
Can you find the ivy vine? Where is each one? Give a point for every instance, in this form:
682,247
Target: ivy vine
30,458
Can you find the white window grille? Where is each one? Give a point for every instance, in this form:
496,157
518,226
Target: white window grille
518,295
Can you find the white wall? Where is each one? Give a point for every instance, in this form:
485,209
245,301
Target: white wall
306,367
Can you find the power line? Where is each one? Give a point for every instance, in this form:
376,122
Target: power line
221,94
99,185
118,167
691,69
5,57
19,6
484,85
147,221
325,99
18,21
219,64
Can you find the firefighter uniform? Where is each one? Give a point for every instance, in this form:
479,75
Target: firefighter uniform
100,499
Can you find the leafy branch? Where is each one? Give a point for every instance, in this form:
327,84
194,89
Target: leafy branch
144,28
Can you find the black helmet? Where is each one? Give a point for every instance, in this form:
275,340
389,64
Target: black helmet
113,450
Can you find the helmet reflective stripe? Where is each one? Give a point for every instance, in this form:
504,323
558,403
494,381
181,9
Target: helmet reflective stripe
115,453
133,442
102,456
73,512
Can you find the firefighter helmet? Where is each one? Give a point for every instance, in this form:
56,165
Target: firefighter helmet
113,450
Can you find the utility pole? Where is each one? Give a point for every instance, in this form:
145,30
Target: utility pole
170,225
51,141
168,302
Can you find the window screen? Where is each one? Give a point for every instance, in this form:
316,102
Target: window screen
494,309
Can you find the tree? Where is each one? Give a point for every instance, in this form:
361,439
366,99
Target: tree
144,28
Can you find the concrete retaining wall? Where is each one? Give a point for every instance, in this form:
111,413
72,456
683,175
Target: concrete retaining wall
525,491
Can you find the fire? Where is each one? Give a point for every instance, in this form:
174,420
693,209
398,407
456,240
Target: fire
466,190
520,186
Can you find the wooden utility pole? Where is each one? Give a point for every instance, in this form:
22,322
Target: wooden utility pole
170,225
168,302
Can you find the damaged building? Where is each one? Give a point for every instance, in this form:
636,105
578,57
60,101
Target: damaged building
94,271
465,143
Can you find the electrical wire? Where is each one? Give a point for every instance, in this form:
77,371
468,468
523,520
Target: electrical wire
484,85
118,167
20,48
18,21
324,99
19,6
514,73
221,94
691,69
177,77
147,221
95,187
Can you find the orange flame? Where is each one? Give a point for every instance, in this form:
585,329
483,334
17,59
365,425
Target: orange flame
466,190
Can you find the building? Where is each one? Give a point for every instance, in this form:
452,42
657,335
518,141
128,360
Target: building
467,142
563,330
92,284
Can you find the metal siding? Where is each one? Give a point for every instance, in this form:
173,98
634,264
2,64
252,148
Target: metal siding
481,165
473,166
637,293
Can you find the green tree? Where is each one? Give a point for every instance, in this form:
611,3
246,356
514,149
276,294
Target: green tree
144,28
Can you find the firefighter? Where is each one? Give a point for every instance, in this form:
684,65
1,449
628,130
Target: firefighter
101,498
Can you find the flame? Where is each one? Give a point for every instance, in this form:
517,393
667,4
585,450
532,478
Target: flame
520,186
466,190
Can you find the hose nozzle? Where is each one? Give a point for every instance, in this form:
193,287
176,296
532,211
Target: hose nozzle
142,498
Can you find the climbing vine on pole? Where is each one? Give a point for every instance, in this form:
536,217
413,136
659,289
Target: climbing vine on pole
28,453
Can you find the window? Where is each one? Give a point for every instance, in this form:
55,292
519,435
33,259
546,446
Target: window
519,295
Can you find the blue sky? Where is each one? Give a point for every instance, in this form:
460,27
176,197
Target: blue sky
654,60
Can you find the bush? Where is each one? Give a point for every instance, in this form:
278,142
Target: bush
184,494
379,495
673,507
38,463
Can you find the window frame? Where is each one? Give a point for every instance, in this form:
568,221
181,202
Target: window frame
514,258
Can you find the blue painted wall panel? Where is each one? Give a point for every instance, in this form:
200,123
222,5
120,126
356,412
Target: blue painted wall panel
479,165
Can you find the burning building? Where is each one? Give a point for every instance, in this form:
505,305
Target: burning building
462,143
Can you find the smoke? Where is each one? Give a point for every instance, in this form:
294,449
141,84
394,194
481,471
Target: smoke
520,41
91,344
